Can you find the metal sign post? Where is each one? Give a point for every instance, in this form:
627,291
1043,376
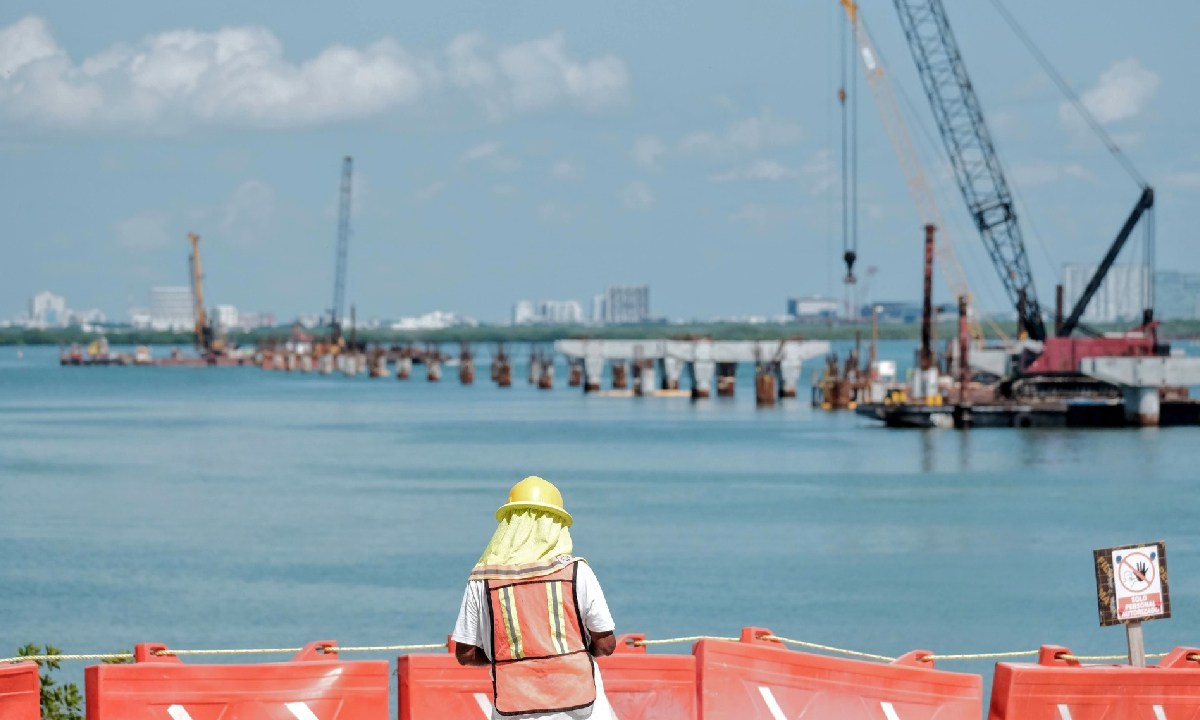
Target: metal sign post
1131,586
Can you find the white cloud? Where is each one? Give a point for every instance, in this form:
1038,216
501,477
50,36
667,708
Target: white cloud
647,151
145,231
759,216
482,151
637,195
490,155
1124,91
565,170
533,75
238,76
1182,180
744,137
248,215
429,192
819,172
553,214
1044,172
769,170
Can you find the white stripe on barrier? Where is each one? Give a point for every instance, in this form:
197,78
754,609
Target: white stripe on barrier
1064,712
178,713
484,704
889,711
301,711
772,705
1158,713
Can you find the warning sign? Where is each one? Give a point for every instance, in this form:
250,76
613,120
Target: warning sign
1131,583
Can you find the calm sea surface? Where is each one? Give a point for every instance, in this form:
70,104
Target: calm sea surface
236,508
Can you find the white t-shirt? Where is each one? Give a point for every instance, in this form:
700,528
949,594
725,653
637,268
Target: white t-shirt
474,628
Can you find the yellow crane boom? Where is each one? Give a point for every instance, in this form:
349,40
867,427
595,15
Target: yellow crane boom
910,163
198,312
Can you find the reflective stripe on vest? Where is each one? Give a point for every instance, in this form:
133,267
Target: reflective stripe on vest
540,662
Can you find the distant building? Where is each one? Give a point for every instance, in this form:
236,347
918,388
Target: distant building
1176,295
47,310
225,316
523,312
813,307
896,311
171,308
85,317
1121,297
627,304
560,312
434,321
598,309
555,312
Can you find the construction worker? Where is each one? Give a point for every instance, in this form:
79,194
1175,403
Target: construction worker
536,614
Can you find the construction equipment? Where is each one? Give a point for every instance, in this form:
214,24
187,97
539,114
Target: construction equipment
343,242
981,180
906,154
1050,368
208,340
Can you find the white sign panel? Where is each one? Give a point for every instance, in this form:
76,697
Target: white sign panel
1137,582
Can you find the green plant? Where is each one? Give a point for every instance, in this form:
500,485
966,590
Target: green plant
59,702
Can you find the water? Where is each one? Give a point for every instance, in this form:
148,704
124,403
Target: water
236,508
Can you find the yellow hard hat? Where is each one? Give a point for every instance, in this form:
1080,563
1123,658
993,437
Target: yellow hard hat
535,493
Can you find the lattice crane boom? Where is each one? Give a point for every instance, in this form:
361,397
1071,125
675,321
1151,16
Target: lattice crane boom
343,242
972,154
910,162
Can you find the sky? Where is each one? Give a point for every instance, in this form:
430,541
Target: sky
547,150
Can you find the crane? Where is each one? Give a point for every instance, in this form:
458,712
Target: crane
203,331
906,154
981,180
972,154
343,241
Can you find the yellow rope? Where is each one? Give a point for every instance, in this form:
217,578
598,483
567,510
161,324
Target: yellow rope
331,649
828,648
94,656
693,638
981,656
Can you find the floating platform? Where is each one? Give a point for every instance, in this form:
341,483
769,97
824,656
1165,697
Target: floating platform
1071,414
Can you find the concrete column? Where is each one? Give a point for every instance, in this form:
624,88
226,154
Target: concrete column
672,368
575,376
404,368
593,369
466,371
620,380
1141,405
701,369
325,364
646,379
764,386
726,379
433,369
535,369
380,367
306,364
546,379
787,373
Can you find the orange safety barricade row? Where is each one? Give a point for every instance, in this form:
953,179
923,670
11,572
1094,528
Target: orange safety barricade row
638,685
755,678
20,692
313,685
1055,688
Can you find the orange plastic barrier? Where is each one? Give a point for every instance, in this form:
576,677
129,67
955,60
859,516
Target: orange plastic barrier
314,685
20,692
639,685
1055,688
756,678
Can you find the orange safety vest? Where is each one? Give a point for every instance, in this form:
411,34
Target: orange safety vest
540,662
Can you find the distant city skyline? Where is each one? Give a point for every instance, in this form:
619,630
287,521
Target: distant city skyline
548,151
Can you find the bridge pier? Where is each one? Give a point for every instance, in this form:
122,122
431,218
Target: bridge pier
619,379
672,368
593,370
404,367
726,379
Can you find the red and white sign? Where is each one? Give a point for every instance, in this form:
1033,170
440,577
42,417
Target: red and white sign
1138,583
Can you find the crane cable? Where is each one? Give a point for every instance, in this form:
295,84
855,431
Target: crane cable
1066,90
